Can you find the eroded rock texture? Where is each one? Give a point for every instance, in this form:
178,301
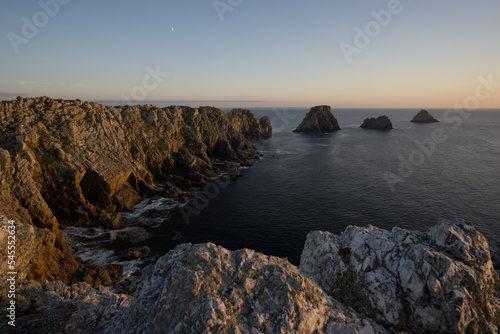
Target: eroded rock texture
440,281
69,162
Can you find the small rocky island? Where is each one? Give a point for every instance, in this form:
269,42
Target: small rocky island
424,117
379,123
318,120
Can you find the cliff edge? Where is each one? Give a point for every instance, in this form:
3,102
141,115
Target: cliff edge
69,162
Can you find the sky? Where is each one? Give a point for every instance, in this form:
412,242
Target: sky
254,53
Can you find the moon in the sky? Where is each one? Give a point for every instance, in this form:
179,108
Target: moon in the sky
172,28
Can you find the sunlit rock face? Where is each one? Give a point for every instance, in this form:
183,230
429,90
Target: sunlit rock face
70,162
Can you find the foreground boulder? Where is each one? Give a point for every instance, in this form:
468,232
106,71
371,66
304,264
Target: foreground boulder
200,289
379,123
424,117
441,281
318,120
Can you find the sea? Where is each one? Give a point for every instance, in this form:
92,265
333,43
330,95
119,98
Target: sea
412,177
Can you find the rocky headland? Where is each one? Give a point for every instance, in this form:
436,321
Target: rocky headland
424,117
318,120
74,163
379,123
66,163
365,280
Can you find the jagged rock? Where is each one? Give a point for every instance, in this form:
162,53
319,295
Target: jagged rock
172,192
206,288
495,253
318,120
379,123
424,117
25,249
439,281
57,308
234,173
244,121
38,256
68,162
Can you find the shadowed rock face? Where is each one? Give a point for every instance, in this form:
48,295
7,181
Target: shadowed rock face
318,120
68,162
379,123
424,117
365,280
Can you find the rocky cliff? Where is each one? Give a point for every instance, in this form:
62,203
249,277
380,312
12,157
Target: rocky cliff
379,123
424,117
318,120
69,162
365,280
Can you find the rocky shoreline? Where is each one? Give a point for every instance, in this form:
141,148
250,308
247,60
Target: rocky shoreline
74,163
80,164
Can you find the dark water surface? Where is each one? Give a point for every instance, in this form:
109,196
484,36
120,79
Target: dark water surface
327,182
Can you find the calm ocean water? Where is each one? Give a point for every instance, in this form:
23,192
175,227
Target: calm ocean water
329,181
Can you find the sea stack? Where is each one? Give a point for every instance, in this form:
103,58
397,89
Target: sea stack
424,117
380,123
318,120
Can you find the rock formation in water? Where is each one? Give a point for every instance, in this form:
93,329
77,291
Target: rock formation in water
379,123
68,162
424,117
318,120
365,280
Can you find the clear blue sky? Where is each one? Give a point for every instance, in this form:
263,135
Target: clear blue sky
263,52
